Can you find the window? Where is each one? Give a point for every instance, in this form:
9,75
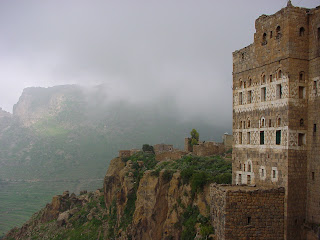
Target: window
240,179
240,83
278,137
248,220
244,124
270,77
279,91
301,76
248,137
249,123
279,74
314,128
262,172
279,122
244,84
312,176
240,98
261,137
301,139
249,100
278,31
270,123
248,179
263,94
249,167
250,82
302,92
240,137
301,31
263,79
301,122
264,39
240,125
274,174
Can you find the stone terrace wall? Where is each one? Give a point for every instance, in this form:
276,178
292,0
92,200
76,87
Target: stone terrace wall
242,212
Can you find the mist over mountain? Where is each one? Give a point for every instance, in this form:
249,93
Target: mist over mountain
68,132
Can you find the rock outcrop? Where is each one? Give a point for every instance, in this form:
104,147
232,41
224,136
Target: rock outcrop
159,205
141,199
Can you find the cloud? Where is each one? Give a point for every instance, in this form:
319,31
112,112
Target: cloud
140,50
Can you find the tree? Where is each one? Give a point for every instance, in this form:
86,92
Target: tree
147,148
194,137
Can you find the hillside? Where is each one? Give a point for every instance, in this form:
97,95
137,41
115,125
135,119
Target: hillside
141,199
64,137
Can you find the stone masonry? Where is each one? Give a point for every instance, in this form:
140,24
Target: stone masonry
276,103
241,212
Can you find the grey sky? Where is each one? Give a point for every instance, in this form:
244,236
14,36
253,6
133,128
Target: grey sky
141,50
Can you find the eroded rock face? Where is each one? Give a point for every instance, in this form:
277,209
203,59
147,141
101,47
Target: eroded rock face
159,204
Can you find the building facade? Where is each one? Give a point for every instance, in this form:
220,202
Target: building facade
276,99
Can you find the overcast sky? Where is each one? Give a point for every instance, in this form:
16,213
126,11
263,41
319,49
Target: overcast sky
142,50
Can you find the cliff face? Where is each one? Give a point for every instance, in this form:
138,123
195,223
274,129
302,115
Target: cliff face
159,205
141,199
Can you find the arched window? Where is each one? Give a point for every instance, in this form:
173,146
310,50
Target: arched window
263,79
240,125
279,74
240,83
249,82
262,122
264,39
278,31
279,122
249,123
301,76
301,122
244,84
301,31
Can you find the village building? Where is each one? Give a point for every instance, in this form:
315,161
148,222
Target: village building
276,149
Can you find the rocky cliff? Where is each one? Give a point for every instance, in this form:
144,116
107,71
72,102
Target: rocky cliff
141,199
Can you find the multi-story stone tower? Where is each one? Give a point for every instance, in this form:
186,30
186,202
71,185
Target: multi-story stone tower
276,111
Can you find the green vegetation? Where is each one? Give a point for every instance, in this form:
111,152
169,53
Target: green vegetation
147,148
194,137
199,171
83,227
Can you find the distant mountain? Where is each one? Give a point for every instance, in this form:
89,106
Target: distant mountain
69,132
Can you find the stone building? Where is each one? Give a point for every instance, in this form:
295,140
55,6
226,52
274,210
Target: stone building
161,148
276,103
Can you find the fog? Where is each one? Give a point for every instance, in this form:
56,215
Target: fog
141,51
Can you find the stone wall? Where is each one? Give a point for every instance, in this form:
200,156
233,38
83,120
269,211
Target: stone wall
273,119
208,148
227,141
160,148
170,155
240,212
313,137
124,153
